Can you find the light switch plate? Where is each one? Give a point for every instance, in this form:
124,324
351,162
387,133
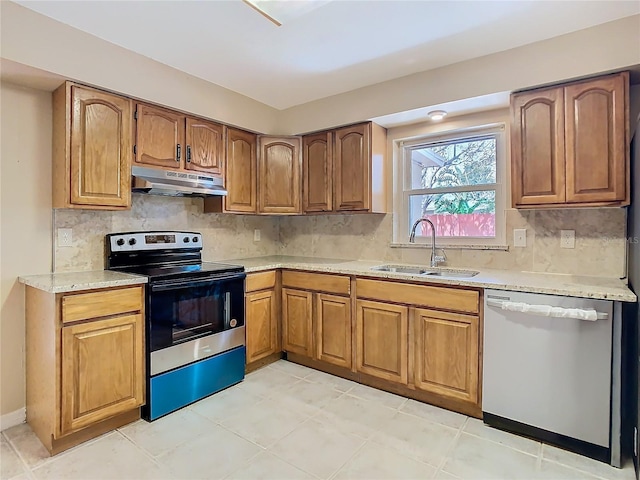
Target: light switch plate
519,237
65,237
256,235
567,239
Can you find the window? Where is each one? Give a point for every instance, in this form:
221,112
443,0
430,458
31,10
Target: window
454,180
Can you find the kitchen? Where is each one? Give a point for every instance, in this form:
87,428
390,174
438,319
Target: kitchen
600,234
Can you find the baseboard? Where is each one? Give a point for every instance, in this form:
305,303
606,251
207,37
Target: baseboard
12,419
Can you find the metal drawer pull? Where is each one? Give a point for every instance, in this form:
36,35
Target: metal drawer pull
548,311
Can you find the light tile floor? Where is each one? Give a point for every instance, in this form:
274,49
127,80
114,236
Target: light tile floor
286,421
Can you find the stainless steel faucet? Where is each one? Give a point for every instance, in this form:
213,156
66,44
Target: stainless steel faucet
435,259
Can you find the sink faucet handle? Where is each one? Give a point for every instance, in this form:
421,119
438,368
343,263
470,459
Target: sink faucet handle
437,259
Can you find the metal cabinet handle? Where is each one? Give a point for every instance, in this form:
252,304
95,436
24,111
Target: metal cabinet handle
178,152
188,153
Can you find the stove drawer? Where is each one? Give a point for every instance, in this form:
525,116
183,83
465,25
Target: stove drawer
85,306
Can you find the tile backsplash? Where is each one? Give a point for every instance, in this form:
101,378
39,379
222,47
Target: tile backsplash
600,246
225,236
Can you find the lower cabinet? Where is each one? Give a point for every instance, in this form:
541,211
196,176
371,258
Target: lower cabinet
85,363
297,329
382,340
261,324
102,370
446,354
333,329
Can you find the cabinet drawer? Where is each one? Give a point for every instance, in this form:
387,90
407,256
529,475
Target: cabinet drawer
317,282
411,294
85,306
260,281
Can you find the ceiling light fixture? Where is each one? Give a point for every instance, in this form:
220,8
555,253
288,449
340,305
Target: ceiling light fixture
437,115
280,11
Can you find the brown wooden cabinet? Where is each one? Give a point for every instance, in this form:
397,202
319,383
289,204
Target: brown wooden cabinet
297,326
279,181
92,138
317,165
241,172
169,139
382,340
344,169
446,354
261,316
570,144
85,363
333,329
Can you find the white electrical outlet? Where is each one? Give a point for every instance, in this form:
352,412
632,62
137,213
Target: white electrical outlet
519,237
567,239
65,237
256,235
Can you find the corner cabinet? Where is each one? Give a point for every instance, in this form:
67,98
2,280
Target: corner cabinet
92,141
241,172
570,144
344,169
85,363
279,175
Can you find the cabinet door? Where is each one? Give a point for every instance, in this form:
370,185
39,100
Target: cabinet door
596,145
446,354
102,370
101,134
352,165
205,146
537,147
159,137
279,175
241,167
333,329
297,310
260,324
317,172
381,335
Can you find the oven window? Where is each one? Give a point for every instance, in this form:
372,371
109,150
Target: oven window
179,313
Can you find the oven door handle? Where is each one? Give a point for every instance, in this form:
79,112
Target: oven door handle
174,284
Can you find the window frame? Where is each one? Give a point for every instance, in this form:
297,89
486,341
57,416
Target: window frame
402,174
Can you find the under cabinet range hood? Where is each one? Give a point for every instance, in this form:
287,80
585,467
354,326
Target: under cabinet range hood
175,183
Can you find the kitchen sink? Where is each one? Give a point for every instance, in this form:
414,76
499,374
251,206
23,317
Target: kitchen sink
425,271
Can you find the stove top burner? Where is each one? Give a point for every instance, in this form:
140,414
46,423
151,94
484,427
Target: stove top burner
182,271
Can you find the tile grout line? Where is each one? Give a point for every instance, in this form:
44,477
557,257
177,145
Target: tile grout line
445,457
25,466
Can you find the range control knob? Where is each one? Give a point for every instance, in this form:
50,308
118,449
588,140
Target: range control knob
120,241
185,239
132,241
195,239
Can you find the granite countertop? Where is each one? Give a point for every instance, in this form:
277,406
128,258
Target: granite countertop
533,282
74,281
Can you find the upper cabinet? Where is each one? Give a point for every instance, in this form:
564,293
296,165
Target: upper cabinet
241,172
169,139
344,170
317,165
92,137
570,145
279,178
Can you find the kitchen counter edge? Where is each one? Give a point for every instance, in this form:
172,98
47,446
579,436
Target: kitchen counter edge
77,281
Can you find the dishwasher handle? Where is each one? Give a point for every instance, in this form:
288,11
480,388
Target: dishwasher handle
548,310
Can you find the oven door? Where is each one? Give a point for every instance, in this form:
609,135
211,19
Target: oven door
187,309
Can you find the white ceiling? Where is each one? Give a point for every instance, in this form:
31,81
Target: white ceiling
339,46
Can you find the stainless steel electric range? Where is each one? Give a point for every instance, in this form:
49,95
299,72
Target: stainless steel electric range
194,316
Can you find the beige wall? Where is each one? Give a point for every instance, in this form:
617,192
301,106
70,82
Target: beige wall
41,42
25,228
610,46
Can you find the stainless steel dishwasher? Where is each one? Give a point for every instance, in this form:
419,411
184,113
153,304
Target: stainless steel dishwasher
551,370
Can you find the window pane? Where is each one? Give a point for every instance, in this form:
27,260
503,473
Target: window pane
464,214
454,164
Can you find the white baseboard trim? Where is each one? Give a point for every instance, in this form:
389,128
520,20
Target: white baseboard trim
12,419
